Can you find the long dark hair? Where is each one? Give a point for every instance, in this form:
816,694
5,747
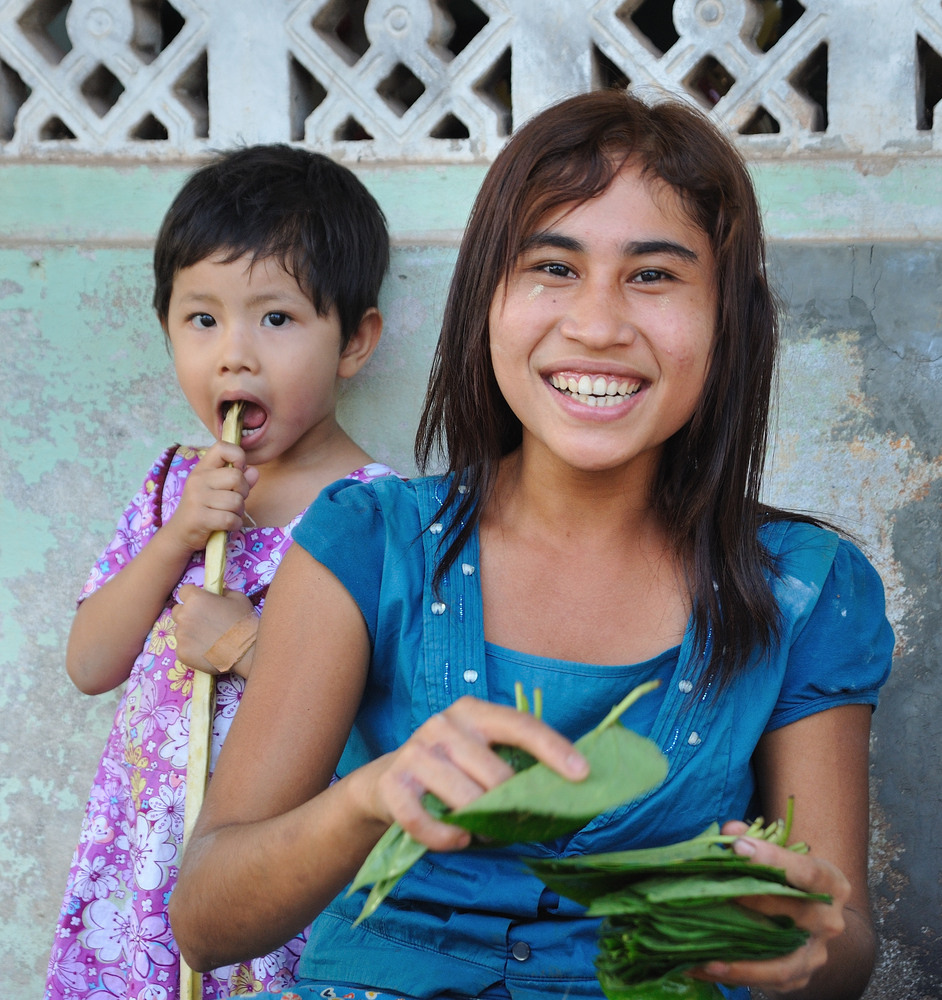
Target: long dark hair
706,490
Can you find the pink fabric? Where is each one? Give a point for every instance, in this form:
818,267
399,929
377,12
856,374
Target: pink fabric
113,937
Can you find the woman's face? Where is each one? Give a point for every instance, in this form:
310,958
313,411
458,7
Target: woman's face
601,338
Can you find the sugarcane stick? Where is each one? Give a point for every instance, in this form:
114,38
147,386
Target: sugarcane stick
202,703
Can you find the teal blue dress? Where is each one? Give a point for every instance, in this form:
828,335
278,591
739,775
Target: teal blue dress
476,923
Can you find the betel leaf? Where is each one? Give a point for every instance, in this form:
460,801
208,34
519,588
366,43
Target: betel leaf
667,988
539,805
670,909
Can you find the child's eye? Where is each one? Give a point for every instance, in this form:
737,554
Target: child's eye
202,321
276,319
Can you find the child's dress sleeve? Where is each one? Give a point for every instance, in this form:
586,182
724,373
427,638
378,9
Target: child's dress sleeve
842,654
137,525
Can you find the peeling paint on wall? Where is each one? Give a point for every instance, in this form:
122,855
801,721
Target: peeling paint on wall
90,400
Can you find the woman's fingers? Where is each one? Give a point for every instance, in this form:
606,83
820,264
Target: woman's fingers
451,755
822,920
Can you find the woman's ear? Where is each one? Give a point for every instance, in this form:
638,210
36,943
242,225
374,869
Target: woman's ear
362,344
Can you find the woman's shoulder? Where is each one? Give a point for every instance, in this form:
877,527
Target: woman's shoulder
811,559
386,491
386,506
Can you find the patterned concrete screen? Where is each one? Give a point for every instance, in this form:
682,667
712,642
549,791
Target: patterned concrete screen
106,105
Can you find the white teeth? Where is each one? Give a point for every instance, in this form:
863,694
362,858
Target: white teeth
598,391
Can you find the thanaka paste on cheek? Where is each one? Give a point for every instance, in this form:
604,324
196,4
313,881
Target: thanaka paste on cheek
534,291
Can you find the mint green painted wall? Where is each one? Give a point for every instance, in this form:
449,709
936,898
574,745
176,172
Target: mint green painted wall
90,399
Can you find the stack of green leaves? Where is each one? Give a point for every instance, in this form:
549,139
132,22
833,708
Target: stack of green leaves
536,804
669,909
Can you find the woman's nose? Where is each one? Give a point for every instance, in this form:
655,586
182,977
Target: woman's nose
598,316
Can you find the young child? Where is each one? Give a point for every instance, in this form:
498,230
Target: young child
268,266
600,392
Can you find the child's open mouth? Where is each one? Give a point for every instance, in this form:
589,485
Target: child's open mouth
595,390
254,417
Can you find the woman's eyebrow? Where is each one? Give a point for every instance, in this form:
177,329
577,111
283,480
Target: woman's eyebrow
548,239
551,240
642,247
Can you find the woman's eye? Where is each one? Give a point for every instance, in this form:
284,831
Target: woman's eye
202,321
276,319
649,275
557,270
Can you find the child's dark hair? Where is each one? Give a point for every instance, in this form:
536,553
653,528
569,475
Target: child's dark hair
304,210
706,490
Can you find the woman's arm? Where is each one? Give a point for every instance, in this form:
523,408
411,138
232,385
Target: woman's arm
823,761
273,844
111,624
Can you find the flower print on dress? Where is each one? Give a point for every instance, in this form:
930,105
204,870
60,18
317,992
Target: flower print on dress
152,714
181,678
120,936
111,985
165,809
229,689
109,796
67,966
174,747
266,569
95,878
148,854
243,982
131,831
162,636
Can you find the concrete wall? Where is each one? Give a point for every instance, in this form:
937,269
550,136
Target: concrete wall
90,399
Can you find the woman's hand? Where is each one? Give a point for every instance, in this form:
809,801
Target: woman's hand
823,921
451,755
201,619
213,497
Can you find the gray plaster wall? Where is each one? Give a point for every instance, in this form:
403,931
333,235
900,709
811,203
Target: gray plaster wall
90,399
860,393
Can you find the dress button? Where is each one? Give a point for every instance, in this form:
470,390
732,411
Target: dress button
520,951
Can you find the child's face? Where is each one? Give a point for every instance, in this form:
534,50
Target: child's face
601,339
246,331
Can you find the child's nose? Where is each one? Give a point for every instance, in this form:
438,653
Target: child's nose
237,349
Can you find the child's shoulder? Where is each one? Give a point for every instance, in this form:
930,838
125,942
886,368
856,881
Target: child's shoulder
372,471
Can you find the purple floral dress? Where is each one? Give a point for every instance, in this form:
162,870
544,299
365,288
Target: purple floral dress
113,937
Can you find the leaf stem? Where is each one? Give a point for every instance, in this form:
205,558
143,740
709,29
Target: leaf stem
615,714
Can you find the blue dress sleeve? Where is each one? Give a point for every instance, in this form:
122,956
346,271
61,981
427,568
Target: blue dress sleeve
345,530
842,655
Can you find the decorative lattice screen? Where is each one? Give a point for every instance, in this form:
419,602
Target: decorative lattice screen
445,80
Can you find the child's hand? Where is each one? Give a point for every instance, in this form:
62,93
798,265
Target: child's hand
823,921
213,497
451,755
201,619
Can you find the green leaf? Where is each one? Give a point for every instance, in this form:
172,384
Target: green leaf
666,988
541,805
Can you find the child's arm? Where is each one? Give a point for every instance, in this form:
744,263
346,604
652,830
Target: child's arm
111,624
823,761
273,844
